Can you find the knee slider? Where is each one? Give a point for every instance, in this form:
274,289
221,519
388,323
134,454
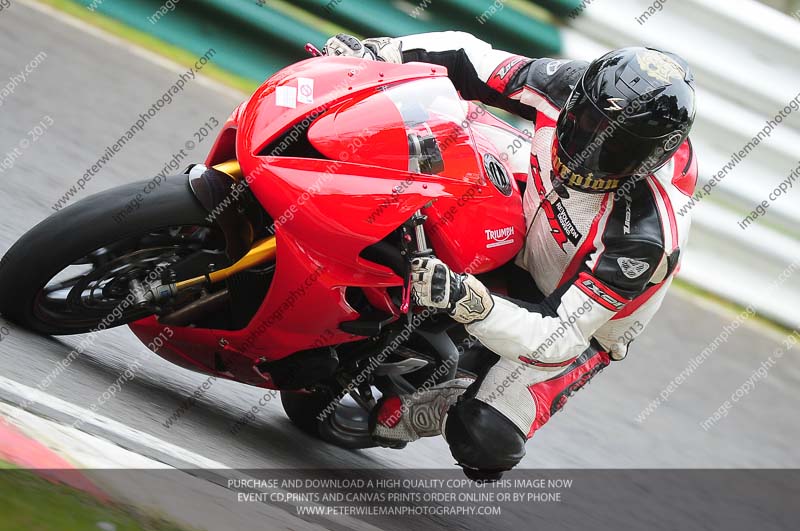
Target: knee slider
481,438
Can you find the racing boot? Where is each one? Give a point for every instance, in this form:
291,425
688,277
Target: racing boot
398,420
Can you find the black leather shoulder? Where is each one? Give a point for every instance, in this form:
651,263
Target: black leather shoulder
554,79
633,241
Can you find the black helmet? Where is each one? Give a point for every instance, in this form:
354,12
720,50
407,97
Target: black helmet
628,114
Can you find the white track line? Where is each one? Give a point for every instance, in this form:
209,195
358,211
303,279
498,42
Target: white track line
159,489
134,49
22,394
77,447
130,441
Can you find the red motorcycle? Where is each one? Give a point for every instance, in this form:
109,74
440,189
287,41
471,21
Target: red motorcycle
282,261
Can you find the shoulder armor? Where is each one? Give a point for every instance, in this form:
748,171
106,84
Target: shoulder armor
554,79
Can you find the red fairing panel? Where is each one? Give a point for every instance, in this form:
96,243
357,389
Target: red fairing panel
224,148
477,228
335,205
328,210
369,130
332,78
319,243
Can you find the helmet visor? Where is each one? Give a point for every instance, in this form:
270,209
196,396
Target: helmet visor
591,140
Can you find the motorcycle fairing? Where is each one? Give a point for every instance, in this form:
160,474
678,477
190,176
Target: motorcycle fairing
328,211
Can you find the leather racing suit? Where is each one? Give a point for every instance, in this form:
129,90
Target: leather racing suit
601,254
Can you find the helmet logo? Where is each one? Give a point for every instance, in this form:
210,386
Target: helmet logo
614,104
659,66
673,141
588,183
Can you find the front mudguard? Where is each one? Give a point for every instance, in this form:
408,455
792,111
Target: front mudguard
223,198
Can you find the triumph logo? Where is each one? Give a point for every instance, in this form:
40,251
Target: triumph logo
499,237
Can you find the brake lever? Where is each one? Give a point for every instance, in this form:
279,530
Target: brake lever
405,302
313,50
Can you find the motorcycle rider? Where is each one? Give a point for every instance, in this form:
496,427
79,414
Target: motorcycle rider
610,164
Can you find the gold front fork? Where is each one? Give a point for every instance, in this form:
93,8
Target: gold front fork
230,167
261,252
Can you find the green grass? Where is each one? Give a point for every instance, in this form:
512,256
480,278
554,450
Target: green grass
30,503
729,306
178,55
763,221
311,20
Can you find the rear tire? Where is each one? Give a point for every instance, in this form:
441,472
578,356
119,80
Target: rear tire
346,428
348,425
75,232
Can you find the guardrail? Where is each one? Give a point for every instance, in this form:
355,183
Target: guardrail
744,55
256,37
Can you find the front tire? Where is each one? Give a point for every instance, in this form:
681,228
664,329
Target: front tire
94,233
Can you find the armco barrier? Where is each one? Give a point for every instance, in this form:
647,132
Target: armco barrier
501,24
251,41
734,105
256,37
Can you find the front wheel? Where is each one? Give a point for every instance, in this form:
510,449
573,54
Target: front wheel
84,267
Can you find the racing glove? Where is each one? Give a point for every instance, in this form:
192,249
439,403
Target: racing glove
382,49
434,285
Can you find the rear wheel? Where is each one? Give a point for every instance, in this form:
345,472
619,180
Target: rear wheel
320,414
345,422
88,265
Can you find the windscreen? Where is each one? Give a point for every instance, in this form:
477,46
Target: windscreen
438,130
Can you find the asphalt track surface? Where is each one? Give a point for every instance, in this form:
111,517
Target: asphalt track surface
94,90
